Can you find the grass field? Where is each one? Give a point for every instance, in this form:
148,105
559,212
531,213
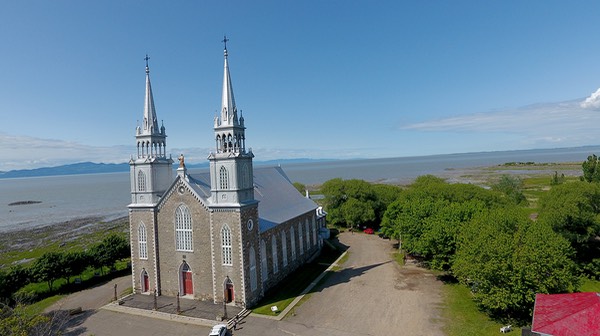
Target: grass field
22,247
590,286
288,289
461,316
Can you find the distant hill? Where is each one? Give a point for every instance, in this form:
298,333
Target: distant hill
70,169
99,168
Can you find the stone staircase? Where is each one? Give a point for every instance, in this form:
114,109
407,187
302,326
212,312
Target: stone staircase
238,318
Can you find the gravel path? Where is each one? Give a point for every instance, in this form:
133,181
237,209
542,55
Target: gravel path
372,295
93,298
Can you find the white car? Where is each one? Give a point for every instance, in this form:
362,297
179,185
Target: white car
218,330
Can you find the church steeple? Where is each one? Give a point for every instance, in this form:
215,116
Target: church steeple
151,140
229,131
228,108
151,171
150,122
231,164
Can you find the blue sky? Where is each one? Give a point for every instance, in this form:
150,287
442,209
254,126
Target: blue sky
317,79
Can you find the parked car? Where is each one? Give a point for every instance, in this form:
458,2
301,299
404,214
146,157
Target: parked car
369,231
218,330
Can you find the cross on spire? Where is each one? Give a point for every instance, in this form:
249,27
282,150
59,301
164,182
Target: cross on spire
146,59
225,39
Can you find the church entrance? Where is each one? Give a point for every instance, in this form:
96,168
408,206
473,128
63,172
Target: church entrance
145,282
187,287
228,290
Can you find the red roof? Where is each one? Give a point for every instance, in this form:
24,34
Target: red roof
576,314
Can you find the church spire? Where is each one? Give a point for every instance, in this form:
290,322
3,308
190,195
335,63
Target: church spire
150,122
228,108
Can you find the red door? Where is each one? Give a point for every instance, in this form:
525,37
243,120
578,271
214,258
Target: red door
146,282
187,283
229,293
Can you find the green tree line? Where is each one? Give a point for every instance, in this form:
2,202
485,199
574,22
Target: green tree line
53,266
485,238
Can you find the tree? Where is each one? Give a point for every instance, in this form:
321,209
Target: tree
48,268
512,187
591,169
17,322
356,213
110,250
573,210
429,215
505,258
300,187
337,192
11,281
74,263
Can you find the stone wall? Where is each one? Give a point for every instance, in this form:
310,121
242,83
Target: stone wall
171,260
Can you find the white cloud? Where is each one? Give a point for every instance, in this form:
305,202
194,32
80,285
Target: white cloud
550,124
592,102
24,152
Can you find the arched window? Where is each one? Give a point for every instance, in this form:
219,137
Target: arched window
226,245
293,242
307,234
274,251
223,178
143,241
300,238
183,229
263,261
253,282
141,179
284,248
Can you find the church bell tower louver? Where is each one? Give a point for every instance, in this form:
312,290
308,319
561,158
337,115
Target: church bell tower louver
150,169
231,164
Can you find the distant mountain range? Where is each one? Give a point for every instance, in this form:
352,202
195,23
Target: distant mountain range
99,168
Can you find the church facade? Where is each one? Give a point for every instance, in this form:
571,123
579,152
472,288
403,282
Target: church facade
226,235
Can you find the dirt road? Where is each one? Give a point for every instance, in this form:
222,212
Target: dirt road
372,295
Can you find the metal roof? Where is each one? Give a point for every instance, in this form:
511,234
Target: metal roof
279,200
567,314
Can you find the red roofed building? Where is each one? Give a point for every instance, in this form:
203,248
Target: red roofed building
576,314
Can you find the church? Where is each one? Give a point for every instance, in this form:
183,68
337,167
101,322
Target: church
226,235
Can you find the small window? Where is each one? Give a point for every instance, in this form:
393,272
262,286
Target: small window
141,179
300,239
263,261
293,242
274,251
223,178
253,282
284,248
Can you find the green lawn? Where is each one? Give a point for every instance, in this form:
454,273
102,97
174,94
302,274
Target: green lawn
588,285
40,306
287,290
461,316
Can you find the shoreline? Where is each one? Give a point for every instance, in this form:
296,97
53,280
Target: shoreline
27,239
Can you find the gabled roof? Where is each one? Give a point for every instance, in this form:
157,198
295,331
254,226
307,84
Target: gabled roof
279,200
574,314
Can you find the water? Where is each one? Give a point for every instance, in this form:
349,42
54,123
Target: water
107,195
